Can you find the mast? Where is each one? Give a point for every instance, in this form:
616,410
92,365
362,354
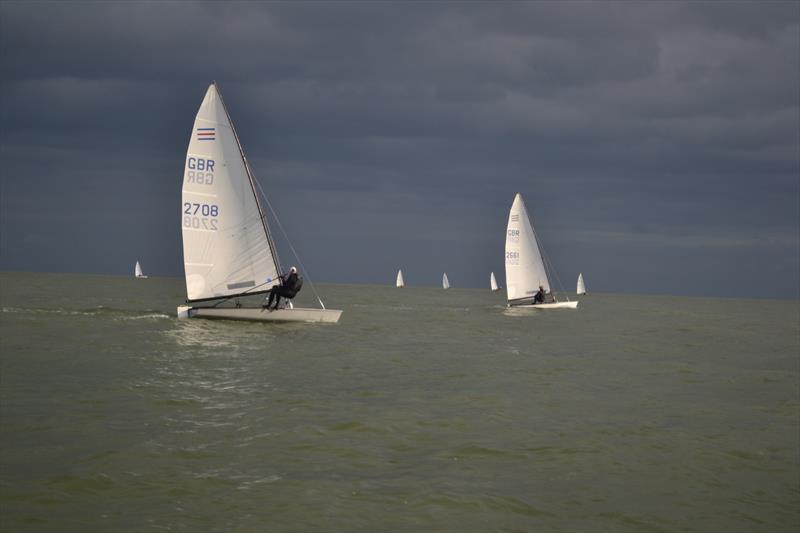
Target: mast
272,248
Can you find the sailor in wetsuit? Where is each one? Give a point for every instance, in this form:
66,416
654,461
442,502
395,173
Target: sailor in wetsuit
539,298
289,287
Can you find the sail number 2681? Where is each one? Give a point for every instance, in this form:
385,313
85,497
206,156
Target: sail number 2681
200,216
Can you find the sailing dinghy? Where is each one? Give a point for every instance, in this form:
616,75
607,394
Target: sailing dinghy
400,282
137,271
445,281
493,283
525,270
581,289
228,251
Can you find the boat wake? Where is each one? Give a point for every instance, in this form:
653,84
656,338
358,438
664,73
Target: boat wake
114,314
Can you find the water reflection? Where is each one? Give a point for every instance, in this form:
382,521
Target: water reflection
215,334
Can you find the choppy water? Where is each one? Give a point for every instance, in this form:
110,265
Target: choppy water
422,410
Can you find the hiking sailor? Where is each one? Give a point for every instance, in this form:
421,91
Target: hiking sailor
288,288
539,298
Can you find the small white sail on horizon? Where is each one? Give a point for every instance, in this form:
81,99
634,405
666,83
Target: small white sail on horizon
228,250
137,271
581,288
493,283
400,282
525,269
445,281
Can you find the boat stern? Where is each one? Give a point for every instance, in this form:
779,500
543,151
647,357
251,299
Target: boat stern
183,311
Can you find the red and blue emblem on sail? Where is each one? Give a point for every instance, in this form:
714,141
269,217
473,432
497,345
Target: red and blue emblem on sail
206,134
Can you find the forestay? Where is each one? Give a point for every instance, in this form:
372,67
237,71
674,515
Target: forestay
227,249
524,266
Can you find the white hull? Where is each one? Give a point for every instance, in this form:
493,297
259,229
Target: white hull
554,305
142,277
257,314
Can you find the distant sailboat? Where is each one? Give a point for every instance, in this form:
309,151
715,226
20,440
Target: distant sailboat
228,250
445,281
525,270
400,282
493,283
137,271
581,286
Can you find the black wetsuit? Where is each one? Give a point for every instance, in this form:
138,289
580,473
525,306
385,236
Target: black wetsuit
288,289
539,298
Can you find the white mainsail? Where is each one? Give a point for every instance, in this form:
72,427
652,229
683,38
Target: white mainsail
137,271
400,282
493,283
581,289
445,281
227,248
525,270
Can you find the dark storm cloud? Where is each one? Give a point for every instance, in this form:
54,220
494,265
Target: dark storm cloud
659,138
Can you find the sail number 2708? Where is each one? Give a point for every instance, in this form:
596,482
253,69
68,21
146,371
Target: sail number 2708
200,216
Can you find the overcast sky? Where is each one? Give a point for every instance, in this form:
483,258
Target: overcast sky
657,144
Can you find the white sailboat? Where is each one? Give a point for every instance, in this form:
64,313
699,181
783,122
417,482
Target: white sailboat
137,271
581,289
400,282
445,281
493,283
228,250
525,270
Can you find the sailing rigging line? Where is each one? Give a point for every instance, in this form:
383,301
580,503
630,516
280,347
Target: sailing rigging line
251,179
289,242
548,264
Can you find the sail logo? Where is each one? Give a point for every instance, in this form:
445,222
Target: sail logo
514,218
512,235
206,134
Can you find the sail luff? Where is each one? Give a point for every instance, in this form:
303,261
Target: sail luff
273,250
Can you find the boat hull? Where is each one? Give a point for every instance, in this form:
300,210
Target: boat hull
257,314
554,305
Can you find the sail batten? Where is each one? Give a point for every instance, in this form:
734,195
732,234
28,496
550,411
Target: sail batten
226,241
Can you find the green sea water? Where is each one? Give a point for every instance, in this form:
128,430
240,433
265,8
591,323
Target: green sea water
422,410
